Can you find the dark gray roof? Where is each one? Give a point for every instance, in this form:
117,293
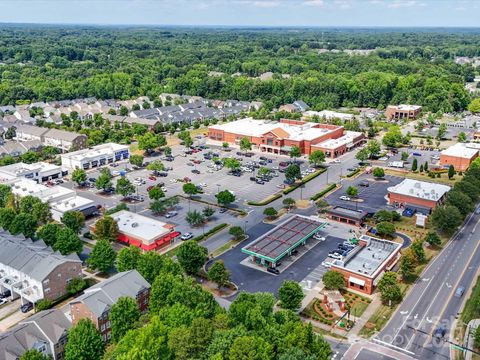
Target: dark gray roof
145,112
103,295
32,130
348,213
62,135
42,328
35,259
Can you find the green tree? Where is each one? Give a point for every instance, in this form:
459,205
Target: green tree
74,220
250,348
123,316
245,145
26,204
189,189
389,289
41,213
373,148
451,171
5,191
124,187
156,165
289,203
48,233
7,216
404,156
446,219
385,228
195,218
362,154
383,215
442,130
68,242
136,160
270,212
23,224
293,172
104,180
127,258
462,137
230,163
102,257
79,176
290,295
158,206
393,137
191,256
333,280
414,164
433,239
418,251
76,285
474,106
263,171
378,172
237,232
425,166
352,191
316,157
218,273
295,152
106,228
84,342
149,142
156,193
225,197
461,201
33,354
208,212
407,267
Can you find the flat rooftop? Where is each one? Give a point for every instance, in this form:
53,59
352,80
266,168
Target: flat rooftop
405,107
274,244
463,150
350,213
346,139
102,149
366,260
257,128
141,227
20,168
420,189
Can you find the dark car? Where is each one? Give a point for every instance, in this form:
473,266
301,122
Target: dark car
253,178
195,171
439,332
161,173
273,270
260,182
222,210
364,183
352,169
26,307
5,294
92,179
263,162
169,158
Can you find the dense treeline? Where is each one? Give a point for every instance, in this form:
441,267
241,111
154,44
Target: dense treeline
52,63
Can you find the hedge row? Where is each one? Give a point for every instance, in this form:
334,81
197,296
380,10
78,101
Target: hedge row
323,192
266,201
353,173
240,211
210,232
304,181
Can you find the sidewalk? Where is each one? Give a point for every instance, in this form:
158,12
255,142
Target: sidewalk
469,336
362,320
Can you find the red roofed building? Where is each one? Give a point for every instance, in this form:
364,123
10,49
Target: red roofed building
142,231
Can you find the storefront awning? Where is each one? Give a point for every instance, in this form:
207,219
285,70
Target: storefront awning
356,281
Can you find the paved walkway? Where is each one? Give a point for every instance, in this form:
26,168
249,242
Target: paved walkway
362,320
368,350
469,336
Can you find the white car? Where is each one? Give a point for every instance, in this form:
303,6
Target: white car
344,198
164,189
115,173
336,161
3,301
335,256
173,180
203,184
318,236
186,236
327,264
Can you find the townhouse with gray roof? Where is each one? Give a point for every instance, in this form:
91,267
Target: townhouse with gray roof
45,332
61,139
96,302
33,271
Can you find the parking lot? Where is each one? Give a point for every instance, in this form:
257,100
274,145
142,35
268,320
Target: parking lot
306,267
432,157
369,199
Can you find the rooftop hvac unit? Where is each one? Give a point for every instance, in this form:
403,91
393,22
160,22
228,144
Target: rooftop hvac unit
417,185
134,225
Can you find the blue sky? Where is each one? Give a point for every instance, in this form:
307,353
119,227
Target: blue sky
367,13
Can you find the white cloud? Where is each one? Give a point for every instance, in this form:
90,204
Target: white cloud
260,3
343,4
403,3
314,3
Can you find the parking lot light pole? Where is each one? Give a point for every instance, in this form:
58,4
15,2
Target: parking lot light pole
245,227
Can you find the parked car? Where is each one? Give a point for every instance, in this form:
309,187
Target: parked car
253,178
5,294
171,214
161,174
283,164
319,236
196,171
186,236
222,210
3,301
260,182
153,178
344,198
416,154
335,255
364,183
273,270
352,169
26,307
136,198
336,161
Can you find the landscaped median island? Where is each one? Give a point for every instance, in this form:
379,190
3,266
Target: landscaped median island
305,180
323,192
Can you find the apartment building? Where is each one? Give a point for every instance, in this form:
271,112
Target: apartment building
64,140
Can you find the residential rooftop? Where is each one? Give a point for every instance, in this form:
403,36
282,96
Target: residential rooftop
420,189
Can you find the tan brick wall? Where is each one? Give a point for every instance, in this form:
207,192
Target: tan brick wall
79,311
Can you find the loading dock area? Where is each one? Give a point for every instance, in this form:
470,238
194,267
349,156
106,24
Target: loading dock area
270,248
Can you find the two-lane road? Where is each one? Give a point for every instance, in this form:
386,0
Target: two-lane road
431,302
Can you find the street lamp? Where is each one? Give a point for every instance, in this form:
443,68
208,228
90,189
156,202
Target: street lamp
245,227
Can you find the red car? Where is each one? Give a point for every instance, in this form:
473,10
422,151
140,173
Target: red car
197,162
150,188
153,178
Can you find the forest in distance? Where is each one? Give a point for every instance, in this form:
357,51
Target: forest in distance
45,63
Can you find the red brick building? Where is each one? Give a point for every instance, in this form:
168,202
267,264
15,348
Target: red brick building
96,302
364,266
420,195
459,155
399,112
143,232
278,137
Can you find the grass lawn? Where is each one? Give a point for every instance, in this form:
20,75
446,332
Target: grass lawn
443,179
358,304
225,247
135,150
199,131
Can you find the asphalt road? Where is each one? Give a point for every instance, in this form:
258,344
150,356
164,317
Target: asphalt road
431,302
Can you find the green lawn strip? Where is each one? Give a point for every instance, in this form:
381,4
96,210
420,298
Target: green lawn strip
303,181
266,201
323,192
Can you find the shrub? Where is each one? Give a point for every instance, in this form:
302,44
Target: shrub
323,192
43,304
